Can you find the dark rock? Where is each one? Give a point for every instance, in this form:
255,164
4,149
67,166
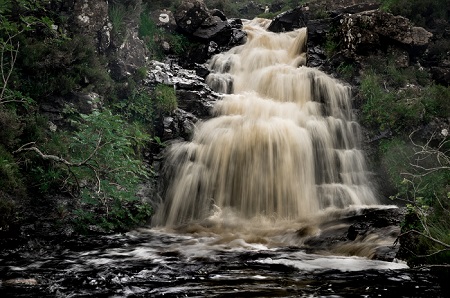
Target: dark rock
441,74
367,29
180,125
193,95
131,56
199,103
214,29
356,229
318,31
164,19
191,14
218,13
289,20
194,19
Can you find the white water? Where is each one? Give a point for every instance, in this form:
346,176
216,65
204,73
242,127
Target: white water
279,163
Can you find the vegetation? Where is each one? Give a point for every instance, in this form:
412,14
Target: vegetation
423,13
94,159
401,100
155,37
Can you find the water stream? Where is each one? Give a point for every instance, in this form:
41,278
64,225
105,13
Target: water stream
262,202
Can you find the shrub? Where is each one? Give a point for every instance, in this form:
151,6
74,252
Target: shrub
112,172
165,98
421,175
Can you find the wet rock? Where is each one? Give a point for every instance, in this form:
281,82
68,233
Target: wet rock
289,20
179,125
318,31
193,94
213,28
353,233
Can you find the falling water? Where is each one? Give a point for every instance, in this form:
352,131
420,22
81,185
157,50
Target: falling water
283,144
277,164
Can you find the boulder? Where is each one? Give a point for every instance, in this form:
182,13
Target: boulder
127,51
289,20
164,19
214,29
369,29
180,124
191,14
195,19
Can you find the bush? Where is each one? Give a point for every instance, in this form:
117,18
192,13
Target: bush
165,98
57,67
110,178
421,175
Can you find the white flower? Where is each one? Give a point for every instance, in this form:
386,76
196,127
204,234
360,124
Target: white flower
444,132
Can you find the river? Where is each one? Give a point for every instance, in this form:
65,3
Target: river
272,197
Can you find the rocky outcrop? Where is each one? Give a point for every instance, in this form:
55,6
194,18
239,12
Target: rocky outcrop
289,20
195,99
196,20
127,52
368,29
91,18
164,19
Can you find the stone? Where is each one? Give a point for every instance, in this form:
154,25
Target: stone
191,14
193,94
196,20
368,29
164,19
289,20
214,29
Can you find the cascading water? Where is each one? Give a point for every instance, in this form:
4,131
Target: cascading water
261,201
283,145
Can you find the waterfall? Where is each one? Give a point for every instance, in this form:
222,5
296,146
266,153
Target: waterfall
283,142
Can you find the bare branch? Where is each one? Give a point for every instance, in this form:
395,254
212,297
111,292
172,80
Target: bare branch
31,147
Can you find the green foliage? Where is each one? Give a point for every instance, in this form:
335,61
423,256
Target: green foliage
116,15
57,67
109,179
150,34
10,128
331,45
421,176
420,12
436,100
400,99
346,71
138,107
11,181
165,98
154,37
